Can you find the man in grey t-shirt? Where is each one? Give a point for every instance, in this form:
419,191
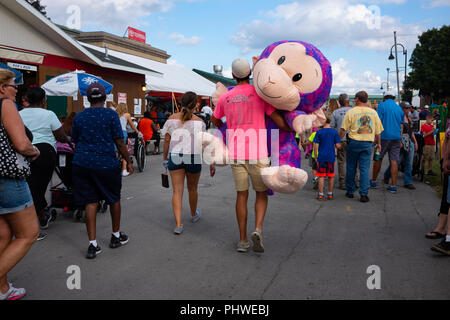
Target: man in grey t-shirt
336,123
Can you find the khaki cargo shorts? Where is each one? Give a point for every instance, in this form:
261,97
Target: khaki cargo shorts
242,169
428,152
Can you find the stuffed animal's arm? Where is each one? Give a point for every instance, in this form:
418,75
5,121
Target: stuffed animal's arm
301,121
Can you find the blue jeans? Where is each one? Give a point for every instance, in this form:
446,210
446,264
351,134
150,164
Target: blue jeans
359,153
408,157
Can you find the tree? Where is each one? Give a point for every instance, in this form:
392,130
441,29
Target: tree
430,64
37,5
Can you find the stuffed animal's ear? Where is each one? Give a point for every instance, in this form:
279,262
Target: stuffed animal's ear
255,60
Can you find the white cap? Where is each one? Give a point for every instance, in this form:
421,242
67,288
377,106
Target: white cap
427,107
389,93
241,68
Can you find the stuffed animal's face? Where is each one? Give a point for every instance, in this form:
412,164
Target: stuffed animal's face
293,75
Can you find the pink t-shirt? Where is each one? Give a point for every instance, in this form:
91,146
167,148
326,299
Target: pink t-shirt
246,125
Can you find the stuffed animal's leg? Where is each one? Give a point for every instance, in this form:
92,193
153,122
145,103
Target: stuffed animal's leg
284,179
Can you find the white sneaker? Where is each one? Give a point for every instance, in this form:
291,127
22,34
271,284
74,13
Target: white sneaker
125,173
13,293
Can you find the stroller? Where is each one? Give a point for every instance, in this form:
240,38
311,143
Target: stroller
62,195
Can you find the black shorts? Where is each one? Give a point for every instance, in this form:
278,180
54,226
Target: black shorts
93,185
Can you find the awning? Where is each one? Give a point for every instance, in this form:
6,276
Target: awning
18,75
216,78
15,54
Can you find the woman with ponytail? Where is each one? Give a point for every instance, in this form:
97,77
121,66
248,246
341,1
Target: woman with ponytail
183,158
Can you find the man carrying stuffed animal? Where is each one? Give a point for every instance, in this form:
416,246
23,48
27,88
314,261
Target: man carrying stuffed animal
247,147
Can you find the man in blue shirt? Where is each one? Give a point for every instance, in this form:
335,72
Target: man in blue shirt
96,168
392,118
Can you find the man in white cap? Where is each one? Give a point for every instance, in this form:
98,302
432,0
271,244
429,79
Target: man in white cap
247,146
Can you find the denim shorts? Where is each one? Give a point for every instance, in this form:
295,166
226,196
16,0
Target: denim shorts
192,163
15,195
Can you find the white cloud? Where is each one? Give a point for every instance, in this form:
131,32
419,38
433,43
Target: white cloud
343,81
325,23
115,14
183,41
439,3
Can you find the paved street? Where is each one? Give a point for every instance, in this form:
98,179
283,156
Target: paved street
314,250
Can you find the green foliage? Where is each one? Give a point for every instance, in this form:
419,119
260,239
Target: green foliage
430,64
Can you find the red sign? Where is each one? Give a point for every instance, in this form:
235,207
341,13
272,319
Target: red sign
137,35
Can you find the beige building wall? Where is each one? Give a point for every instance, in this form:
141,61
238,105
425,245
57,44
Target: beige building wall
30,39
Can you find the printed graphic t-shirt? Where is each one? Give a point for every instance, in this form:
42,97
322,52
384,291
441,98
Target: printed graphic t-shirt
246,126
94,131
327,138
429,141
362,123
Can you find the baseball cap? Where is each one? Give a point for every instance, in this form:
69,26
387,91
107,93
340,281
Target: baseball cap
95,91
389,93
426,107
405,104
241,68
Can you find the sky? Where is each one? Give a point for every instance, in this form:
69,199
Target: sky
355,36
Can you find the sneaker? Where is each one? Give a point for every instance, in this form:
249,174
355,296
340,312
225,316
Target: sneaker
364,199
257,241
349,195
178,230
93,251
392,189
45,222
197,216
243,246
319,197
373,184
41,236
13,293
442,247
118,242
410,187
330,197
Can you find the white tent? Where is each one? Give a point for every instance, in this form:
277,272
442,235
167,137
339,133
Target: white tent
175,78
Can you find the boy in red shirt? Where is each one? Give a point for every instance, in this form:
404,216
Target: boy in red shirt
429,149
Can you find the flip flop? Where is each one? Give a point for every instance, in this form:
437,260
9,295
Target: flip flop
437,235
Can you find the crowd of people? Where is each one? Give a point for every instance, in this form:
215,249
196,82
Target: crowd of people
354,136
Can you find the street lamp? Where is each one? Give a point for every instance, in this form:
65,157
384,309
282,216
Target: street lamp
387,86
391,57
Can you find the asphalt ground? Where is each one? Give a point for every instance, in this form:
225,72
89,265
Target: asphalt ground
313,249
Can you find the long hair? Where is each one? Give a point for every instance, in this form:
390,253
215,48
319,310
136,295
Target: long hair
188,103
333,106
122,108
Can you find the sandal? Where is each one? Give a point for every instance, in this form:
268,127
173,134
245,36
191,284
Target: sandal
436,235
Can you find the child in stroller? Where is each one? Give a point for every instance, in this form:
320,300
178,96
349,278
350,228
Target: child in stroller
62,195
